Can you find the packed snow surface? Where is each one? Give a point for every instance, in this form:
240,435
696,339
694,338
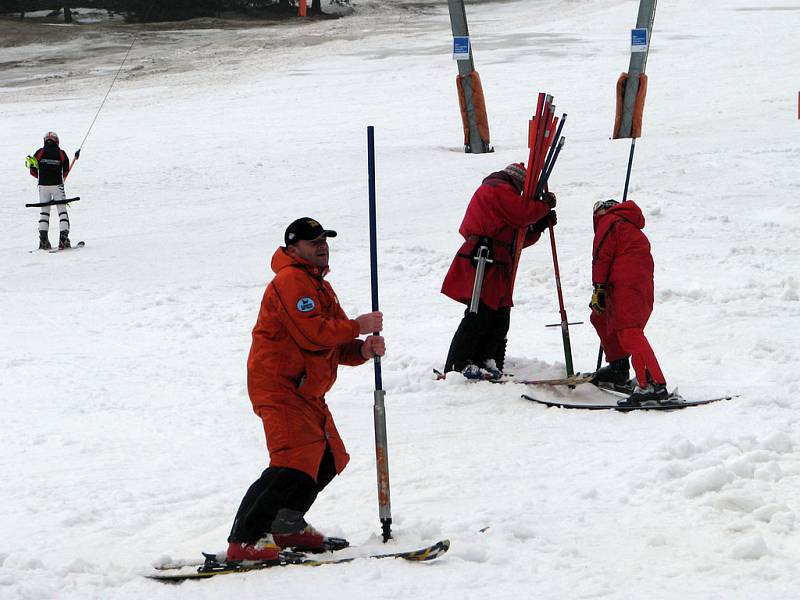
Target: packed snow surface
127,435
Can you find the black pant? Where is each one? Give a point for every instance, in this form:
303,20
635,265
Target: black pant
278,488
480,337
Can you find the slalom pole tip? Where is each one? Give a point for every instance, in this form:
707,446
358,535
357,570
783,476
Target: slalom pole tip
386,529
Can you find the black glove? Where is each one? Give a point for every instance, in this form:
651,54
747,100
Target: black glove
598,303
549,219
77,154
550,198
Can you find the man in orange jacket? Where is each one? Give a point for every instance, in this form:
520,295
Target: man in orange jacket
300,338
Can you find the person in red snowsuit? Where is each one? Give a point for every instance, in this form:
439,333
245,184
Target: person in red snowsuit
622,276
300,338
495,215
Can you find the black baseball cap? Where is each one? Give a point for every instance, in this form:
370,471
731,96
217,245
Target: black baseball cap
305,228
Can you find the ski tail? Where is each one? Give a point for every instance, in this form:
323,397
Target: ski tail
422,555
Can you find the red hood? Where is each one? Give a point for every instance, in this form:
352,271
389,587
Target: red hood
282,259
627,210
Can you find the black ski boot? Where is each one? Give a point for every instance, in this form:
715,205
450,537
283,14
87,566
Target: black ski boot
63,240
44,243
655,393
615,373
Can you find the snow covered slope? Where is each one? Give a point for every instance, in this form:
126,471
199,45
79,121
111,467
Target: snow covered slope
127,435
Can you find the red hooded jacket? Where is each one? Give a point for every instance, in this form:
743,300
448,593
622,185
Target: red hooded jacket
300,338
622,260
498,211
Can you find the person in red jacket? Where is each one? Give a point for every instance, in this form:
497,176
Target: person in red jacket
495,215
300,338
50,166
622,301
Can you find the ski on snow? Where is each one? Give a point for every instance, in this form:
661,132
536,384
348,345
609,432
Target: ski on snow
75,247
576,379
331,544
675,402
54,250
212,567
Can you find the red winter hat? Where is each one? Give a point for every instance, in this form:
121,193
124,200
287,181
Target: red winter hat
517,173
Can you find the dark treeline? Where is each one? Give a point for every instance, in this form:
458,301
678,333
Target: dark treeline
159,10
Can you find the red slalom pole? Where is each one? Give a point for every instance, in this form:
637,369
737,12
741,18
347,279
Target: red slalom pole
561,310
557,272
535,132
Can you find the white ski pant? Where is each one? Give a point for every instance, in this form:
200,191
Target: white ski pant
46,194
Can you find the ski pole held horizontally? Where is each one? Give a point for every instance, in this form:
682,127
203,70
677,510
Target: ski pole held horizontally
379,408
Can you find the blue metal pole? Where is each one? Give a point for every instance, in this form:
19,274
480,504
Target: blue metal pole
379,409
373,239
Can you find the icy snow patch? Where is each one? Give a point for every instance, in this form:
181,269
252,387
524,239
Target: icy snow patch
752,547
708,480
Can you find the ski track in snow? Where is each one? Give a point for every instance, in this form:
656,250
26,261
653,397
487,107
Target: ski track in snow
128,438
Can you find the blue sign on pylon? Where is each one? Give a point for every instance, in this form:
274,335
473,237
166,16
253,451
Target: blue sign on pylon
461,47
639,40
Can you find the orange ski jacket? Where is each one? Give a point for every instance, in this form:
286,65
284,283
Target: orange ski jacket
300,338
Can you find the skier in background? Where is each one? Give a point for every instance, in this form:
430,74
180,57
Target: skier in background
622,301
50,165
300,337
494,215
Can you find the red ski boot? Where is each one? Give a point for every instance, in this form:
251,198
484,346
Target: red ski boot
309,539
264,549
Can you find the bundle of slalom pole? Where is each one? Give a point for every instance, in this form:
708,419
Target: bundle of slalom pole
543,131
545,143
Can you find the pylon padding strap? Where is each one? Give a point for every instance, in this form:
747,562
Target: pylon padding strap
623,78
478,101
638,106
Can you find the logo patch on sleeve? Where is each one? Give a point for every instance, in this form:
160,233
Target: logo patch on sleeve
306,304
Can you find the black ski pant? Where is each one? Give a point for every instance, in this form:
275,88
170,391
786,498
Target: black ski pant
480,337
278,489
